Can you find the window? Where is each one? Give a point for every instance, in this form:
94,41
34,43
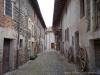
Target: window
29,44
8,7
67,34
88,15
97,3
82,8
72,40
21,43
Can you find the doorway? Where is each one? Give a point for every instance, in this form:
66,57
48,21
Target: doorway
76,45
52,45
33,47
6,55
97,52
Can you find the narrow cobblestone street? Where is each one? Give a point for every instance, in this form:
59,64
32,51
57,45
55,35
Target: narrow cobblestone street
47,63
49,37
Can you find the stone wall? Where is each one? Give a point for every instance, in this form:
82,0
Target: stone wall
85,26
10,27
71,20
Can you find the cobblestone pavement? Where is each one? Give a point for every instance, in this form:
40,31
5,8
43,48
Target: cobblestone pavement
47,63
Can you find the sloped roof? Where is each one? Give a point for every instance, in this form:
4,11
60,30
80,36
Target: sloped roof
36,7
58,9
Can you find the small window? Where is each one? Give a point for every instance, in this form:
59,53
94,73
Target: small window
8,7
88,15
72,40
67,34
82,8
97,3
29,44
21,43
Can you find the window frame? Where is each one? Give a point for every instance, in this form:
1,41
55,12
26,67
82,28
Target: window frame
82,8
67,34
97,9
12,5
21,43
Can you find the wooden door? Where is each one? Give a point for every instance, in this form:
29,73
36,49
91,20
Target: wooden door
6,52
52,45
76,46
97,52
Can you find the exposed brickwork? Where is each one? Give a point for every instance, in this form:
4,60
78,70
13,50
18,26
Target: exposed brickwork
21,57
19,25
6,21
1,8
82,30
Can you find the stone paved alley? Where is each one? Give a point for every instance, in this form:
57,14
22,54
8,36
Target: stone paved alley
47,63
71,27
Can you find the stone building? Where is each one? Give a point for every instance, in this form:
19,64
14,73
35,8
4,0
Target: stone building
19,21
78,21
50,39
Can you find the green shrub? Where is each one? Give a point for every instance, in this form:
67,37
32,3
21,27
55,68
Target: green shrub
33,57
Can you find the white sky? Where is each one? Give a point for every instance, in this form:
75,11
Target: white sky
47,8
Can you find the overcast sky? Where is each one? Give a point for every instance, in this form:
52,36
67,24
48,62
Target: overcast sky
47,7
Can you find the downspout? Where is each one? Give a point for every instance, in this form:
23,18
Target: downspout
17,59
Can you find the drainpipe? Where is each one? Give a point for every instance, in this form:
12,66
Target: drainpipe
27,51
17,59
93,15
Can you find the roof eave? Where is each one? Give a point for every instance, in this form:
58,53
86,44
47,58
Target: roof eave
58,10
36,7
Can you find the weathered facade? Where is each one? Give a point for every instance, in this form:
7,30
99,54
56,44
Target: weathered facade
50,39
79,22
19,30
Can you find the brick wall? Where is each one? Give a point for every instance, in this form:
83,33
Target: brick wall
1,7
5,21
